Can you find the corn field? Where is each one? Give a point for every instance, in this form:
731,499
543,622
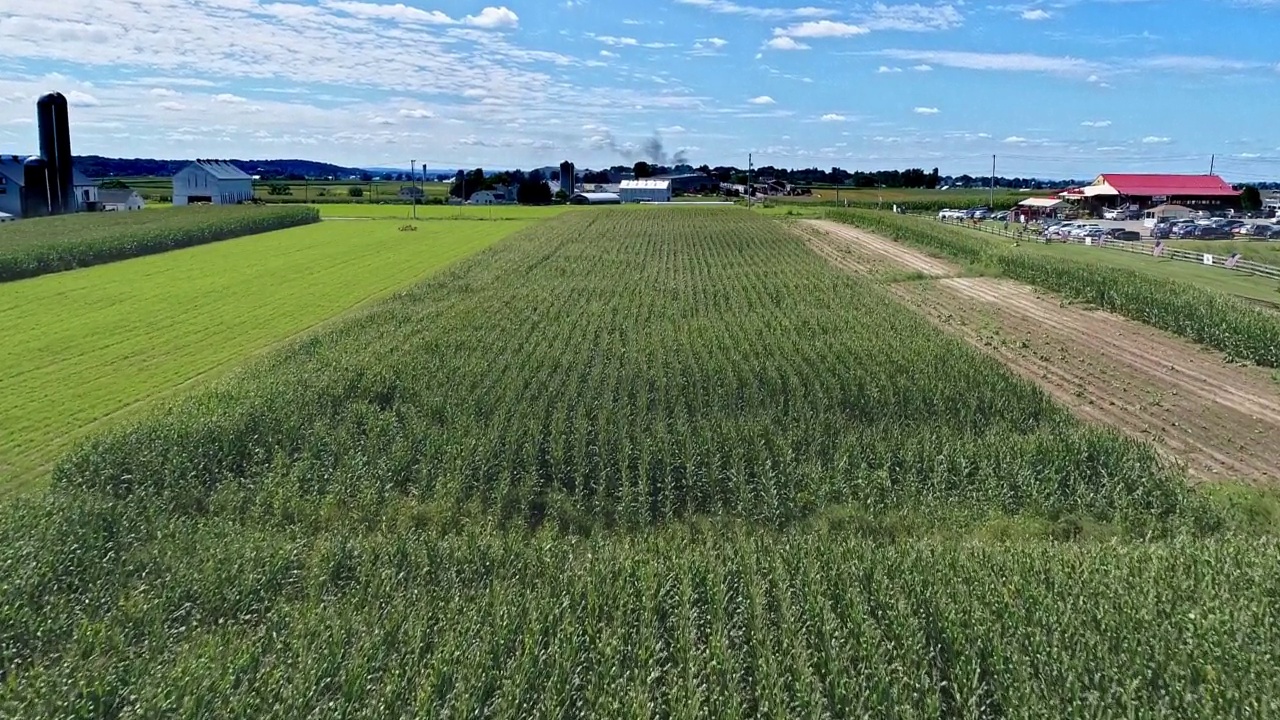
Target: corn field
656,463
1209,317
48,245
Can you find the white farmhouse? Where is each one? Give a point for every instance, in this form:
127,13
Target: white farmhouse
120,199
211,181
652,190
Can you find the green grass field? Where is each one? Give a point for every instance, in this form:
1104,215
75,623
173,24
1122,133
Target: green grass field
54,244
449,212
157,187
1260,251
661,464
80,347
915,197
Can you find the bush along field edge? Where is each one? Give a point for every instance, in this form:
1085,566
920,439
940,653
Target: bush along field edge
80,241
1214,319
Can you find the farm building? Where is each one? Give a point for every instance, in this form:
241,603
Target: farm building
595,198
211,181
1165,213
1144,191
408,192
496,196
120,200
691,183
12,182
652,190
1035,208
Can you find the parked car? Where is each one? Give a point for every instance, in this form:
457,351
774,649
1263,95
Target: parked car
948,214
1211,232
1185,230
1229,224
1123,235
1001,216
1201,215
1120,214
1256,230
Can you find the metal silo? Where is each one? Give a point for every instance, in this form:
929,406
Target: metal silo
36,183
63,169
47,123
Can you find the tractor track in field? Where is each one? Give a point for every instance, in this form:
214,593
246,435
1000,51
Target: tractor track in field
1220,420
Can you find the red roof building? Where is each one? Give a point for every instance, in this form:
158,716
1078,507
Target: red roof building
1146,190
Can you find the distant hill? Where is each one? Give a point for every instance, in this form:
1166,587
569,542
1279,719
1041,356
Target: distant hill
96,166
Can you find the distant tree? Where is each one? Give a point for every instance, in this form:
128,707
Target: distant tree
595,177
278,188
1250,198
113,184
933,179
534,190
561,196
321,192
365,177
704,170
642,170
355,191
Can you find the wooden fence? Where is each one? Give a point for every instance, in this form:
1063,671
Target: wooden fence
1141,247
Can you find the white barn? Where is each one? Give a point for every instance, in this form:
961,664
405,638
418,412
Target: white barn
120,199
213,182
651,190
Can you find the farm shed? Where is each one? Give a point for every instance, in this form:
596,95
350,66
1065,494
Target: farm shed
1038,207
652,190
120,199
212,181
594,198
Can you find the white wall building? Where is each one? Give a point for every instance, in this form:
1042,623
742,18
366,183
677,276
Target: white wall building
120,200
213,182
651,190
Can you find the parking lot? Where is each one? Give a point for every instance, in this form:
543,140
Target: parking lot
1138,226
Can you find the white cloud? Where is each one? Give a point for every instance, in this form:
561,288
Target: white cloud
1249,156
171,106
399,12
416,113
728,7
1015,140
886,69
922,68
913,17
1037,14
672,130
492,18
926,111
608,54
82,99
1156,140
715,42
785,43
162,92
1198,63
616,41
1096,123
820,29
833,117
762,100
229,98
1008,62
380,120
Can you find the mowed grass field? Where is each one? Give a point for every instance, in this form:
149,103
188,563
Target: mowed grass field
450,212
663,464
82,346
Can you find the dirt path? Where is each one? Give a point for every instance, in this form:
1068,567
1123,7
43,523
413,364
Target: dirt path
1221,420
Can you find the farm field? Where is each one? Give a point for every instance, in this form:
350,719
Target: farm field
626,464
82,346
1252,287
1216,418
1261,251
153,188
448,212
54,244
1238,327
917,198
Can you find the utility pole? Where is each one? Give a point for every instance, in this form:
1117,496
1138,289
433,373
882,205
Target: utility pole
1212,159
749,169
991,201
413,183
306,190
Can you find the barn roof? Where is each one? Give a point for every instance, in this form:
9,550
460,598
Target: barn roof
1041,202
1145,185
596,197
223,170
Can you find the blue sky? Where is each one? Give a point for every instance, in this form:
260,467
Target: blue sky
1056,88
